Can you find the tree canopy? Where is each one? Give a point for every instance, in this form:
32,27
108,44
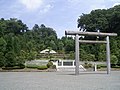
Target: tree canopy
18,43
105,20
102,20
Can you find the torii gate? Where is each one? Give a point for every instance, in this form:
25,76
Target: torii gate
77,33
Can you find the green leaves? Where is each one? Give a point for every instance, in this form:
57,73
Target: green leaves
104,20
2,44
114,59
2,59
10,59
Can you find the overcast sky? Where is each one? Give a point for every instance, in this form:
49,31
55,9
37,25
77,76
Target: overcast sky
60,15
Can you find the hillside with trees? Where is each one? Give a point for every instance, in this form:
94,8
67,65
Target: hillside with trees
105,20
18,43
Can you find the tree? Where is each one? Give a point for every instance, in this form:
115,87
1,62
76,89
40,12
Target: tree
114,59
2,51
52,45
3,44
105,20
10,59
68,43
42,26
20,44
60,45
2,59
36,27
85,56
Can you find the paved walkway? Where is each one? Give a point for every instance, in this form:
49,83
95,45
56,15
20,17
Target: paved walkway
59,81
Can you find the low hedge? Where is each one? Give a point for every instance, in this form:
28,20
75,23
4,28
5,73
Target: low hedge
11,68
88,65
7,68
31,66
101,66
116,67
43,67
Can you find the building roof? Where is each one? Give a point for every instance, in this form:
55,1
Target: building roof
48,51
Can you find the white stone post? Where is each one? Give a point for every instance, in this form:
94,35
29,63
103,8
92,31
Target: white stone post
62,63
72,63
95,67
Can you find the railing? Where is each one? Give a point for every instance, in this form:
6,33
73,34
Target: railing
67,65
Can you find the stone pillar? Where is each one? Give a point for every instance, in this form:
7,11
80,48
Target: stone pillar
77,54
108,55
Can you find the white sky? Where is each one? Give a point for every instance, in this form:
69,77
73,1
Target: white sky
60,15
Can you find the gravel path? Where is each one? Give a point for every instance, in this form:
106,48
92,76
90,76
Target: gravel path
59,81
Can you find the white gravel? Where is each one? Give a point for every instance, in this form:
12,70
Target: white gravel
59,81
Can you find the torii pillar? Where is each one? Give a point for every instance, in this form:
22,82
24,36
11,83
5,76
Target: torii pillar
108,55
77,54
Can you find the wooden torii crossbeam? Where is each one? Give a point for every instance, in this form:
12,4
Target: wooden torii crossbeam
77,41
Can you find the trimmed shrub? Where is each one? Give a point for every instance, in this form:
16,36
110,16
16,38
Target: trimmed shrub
87,65
43,67
53,67
19,66
31,66
101,66
7,68
49,64
98,66
22,66
116,66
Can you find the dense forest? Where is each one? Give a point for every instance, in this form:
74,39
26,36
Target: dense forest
105,20
18,43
